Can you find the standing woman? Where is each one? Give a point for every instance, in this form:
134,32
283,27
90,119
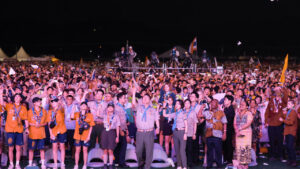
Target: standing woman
84,124
191,132
180,133
58,131
242,126
110,136
166,123
256,125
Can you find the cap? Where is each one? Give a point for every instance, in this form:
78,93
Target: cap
111,104
35,99
54,100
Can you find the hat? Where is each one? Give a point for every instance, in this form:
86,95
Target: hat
111,104
54,99
35,99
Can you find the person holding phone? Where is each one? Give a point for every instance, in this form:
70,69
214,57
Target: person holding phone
242,126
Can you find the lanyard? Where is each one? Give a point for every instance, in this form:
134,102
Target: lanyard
276,105
97,103
81,118
144,117
17,111
36,117
109,121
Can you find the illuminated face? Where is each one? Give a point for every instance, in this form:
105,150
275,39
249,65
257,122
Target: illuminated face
146,99
84,107
110,109
193,97
177,105
187,105
18,99
98,95
243,105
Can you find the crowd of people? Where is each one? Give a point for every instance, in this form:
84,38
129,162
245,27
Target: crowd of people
69,106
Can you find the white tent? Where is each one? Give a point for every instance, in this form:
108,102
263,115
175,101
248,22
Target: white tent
44,58
3,56
21,55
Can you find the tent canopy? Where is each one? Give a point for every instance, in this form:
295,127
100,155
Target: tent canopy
21,55
3,56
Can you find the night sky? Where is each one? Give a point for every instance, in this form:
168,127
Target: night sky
71,29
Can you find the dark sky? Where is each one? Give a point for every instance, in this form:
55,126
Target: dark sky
68,28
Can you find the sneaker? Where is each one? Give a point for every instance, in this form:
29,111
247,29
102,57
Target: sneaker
43,167
18,167
62,166
76,167
11,166
179,167
105,166
171,162
84,167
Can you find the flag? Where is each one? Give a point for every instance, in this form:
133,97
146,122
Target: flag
258,64
251,61
54,59
93,74
147,61
34,66
282,78
216,62
11,71
193,46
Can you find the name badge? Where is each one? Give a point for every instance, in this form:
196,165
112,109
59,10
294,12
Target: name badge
14,118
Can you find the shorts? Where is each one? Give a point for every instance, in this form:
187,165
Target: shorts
36,144
79,143
167,127
14,139
60,138
108,139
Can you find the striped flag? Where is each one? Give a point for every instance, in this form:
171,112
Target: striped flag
282,78
193,46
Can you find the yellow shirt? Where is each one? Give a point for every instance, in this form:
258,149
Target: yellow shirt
37,117
60,127
89,119
15,115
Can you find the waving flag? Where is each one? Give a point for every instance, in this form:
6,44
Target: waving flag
193,46
282,78
93,74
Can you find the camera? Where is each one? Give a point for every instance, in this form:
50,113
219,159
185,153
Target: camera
52,124
83,126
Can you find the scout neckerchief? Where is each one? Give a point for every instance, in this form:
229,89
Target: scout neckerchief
109,121
37,118
124,109
189,112
53,115
144,117
175,120
287,115
81,118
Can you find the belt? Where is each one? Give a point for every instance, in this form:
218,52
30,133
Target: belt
179,129
145,130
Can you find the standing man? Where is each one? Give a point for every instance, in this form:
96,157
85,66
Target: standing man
227,144
216,128
120,150
275,127
145,118
14,128
97,109
132,54
70,108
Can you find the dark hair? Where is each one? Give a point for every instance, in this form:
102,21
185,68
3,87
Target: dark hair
181,103
83,103
70,96
231,98
66,90
49,88
119,95
72,90
245,100
187,100
258,96
196,94
148,95
100,90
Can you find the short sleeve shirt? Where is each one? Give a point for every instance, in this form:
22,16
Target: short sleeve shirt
151,116
214,123
111,121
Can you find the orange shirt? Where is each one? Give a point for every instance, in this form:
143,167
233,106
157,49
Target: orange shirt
15,115
60,127
89,119
37,132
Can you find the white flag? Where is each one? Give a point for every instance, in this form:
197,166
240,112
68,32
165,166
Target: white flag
34,66
11,71
251,61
